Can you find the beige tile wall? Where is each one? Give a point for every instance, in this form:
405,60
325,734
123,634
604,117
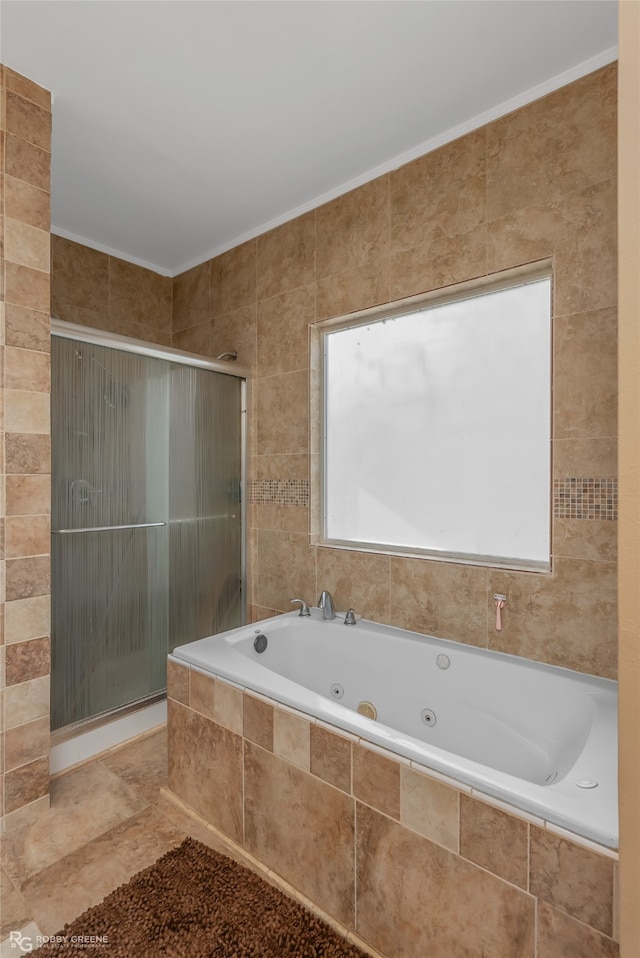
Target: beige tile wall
93,289
25,133
540,182
410,862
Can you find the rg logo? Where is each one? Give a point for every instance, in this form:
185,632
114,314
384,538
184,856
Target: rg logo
18,940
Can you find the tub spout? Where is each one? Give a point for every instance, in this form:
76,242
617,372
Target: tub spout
325,602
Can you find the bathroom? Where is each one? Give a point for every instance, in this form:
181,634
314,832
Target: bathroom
260,298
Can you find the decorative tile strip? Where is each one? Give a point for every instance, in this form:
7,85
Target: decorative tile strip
280,492
585,498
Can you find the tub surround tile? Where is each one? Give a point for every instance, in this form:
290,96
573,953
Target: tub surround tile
358,580
430,808
416,898
202,693
282,414
567,619
258,721
585,457
330,757
285,568
594,539
283,518
560,936
495,840
178,677
291,738
293,822
573,879
376,781
441,599
27,453
205,768
228,706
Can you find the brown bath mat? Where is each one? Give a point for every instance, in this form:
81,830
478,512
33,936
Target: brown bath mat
196,903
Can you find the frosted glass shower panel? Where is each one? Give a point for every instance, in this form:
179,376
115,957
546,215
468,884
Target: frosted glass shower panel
205,507
146,521
110,605
110,436
109,510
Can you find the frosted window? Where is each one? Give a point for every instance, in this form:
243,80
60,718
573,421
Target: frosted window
437,429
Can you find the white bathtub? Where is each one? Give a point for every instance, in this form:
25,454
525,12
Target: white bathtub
542,739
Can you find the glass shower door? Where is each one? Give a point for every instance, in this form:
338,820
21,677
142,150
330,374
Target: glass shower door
147,533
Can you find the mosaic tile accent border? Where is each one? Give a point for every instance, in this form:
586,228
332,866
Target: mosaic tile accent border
585,498
280,492
573,498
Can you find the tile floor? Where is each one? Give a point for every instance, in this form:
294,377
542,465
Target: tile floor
107,821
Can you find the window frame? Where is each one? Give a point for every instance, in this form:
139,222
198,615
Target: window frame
521,275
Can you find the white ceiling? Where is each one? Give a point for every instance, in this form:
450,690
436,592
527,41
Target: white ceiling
182,128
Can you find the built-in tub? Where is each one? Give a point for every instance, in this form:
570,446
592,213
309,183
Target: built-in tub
541,738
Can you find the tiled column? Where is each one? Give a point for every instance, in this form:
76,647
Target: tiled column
25,137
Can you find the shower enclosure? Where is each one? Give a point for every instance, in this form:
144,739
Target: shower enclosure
147,517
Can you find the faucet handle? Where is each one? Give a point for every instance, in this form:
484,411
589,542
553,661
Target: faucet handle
350,618
304,608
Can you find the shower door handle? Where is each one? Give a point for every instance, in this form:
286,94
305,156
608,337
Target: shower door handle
134,525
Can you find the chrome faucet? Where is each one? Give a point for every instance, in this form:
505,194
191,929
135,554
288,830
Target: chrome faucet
304,608
325,602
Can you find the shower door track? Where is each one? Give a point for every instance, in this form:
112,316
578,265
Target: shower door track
87,725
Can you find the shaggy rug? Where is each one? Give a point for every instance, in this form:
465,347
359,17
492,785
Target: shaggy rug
196,903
